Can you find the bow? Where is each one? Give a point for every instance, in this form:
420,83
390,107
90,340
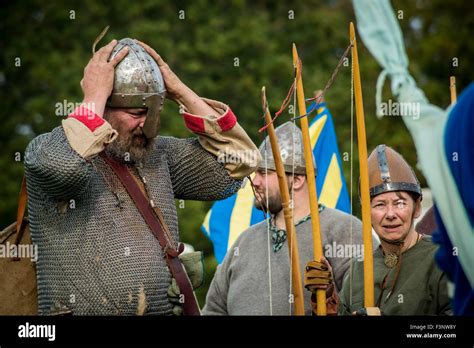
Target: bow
364,177
452,89
311,177
287,211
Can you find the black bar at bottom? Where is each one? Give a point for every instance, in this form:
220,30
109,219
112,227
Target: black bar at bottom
217,330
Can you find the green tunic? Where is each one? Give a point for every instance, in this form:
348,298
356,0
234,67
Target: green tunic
421,288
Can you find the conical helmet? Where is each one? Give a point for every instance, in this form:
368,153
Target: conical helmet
388,171
138,83
290,141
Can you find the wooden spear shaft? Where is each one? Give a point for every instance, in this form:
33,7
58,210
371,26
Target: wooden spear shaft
364,178
296,279
452,89
310,176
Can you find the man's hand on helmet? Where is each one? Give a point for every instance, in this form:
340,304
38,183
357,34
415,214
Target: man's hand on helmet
174,86
98,79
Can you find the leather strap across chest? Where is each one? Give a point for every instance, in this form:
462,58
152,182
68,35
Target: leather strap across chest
157,225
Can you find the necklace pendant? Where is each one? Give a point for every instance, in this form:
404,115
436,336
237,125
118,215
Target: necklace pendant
390,260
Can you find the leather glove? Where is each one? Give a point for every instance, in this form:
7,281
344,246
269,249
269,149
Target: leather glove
318,275
194,266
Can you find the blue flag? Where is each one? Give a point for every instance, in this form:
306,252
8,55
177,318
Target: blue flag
228,218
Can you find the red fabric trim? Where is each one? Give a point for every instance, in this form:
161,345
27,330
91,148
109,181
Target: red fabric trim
193,123
90,119
227,121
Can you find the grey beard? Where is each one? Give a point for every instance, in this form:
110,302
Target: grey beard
123,151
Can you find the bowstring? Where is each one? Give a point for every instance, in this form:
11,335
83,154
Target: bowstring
267,214
285,103
317,99
292,186
352,173
329,83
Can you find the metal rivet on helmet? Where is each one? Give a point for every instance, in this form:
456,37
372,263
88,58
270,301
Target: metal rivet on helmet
290,140
132,84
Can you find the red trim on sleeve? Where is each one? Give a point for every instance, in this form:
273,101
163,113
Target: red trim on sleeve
193,123
90,119
227,121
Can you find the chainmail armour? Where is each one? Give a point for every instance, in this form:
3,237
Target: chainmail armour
97,256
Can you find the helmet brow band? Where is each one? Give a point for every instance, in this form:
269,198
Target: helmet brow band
118,100
394,186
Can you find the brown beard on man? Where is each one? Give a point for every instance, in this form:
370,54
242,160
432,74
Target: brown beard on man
273,201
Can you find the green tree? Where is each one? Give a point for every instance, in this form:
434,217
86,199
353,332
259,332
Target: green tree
224,51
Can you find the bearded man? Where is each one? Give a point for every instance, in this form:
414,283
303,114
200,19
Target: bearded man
97,256
254,278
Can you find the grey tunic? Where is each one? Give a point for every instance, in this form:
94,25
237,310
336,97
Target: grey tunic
96,254
241,284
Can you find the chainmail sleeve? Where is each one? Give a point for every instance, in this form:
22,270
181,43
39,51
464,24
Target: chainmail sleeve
52,165
195,173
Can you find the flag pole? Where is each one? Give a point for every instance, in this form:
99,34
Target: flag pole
452,89
364,178
311,178
296,279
